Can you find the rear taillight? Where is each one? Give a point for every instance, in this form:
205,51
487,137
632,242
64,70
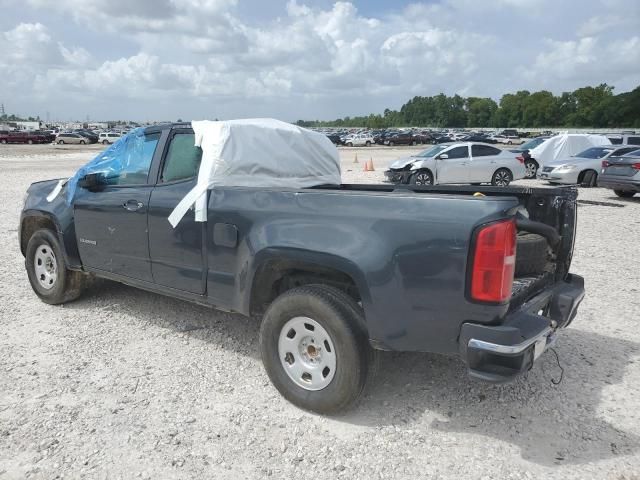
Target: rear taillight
494,262
520,158
605,164
635,166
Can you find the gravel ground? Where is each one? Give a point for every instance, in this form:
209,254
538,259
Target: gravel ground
129,384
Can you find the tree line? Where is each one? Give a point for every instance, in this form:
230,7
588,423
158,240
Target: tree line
590,107
14,118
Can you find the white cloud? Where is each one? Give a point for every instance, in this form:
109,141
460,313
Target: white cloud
305,59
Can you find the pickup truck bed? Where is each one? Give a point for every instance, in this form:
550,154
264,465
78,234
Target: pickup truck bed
394,263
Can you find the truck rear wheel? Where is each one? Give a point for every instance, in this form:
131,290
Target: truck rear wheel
48,274
315,348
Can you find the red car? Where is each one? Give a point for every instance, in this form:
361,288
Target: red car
23,137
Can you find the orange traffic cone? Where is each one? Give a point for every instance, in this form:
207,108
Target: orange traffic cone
356,159
365,168
371,169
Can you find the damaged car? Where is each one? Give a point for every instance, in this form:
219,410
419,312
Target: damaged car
458,162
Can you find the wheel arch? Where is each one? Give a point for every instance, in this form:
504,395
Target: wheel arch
584,172
422,169
277,270
33,220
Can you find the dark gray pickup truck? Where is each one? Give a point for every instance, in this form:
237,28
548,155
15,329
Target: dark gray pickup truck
336,272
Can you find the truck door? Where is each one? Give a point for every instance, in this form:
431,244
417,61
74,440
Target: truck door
454,168
111,222
177,259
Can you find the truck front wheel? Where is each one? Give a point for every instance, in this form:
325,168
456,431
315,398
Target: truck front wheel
315,348
47,270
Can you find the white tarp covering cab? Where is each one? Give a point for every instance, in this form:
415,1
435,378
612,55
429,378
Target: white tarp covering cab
566,145
260,152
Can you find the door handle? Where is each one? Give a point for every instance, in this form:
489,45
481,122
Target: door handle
133,205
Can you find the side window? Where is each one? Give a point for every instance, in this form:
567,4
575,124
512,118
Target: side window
633,140
183,158
624,151
136,161
458,152
483,151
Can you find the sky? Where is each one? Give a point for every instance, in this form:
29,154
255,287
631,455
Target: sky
300,59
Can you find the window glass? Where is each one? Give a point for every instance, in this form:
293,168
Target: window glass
633,140
136,161
458,152
594,152
432,152
183,158
483,151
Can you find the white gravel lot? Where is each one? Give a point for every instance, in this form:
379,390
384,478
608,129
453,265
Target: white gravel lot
127,384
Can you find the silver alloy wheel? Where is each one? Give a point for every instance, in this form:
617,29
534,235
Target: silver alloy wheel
45,266
501,178
423,178
307,353
530,170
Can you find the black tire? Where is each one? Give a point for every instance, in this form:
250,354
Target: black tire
60,142
531,169
105,142
588,178
531,254
624,193
421,177
391,144
344,326
414,143
30,142
68,284
368,143
3,141
82,142
502,177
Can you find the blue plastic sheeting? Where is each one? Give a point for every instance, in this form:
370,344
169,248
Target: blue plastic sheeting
130,152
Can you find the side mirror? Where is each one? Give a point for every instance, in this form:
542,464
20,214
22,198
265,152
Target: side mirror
442,156
90,180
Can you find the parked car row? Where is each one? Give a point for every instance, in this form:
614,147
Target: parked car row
414,136
79,136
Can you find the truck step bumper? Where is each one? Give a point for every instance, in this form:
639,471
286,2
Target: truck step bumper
501,353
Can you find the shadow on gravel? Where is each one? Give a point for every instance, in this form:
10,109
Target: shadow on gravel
230,331
550,424
632,200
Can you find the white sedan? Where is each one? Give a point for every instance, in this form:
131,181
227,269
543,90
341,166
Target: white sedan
458,162
583,168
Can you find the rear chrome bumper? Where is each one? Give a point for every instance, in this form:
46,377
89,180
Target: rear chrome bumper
503,352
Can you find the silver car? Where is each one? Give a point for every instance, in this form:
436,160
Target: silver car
582,168
458,162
